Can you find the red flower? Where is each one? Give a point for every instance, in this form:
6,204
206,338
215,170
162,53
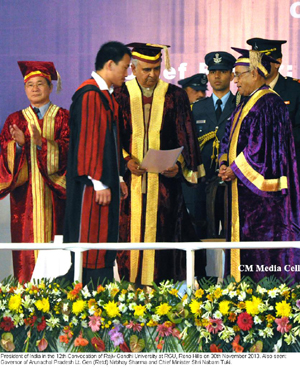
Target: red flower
214,348
245,321
124,348
42,325
98,344
7,324
235,344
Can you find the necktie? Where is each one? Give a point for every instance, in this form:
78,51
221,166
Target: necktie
37,111
218,110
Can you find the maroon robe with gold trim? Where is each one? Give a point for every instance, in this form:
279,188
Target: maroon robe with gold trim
158,214
93,154
30,173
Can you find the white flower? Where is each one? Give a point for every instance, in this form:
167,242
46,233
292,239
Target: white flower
122,297
85,292
74,321
84,324
266,333
217,315
148,306
227,334
232,294
52,322
131,306
155,318
257,320
130,296
2,305
261,290
289,338
278,345
122,307
142,296
205,334
273,293
242,296
66,318
65,307
249,338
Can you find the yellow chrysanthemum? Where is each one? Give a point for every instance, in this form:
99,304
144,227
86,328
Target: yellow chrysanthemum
218,293
252,306
286,294
43,305
195,307
78,306
224,307
15,302
112,309
199,293
283,309
139,310
174,292
71,296
163,309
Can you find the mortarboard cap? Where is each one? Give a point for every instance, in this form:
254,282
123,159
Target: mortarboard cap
268,47
47,70
255,60
150,53
219,60
197,82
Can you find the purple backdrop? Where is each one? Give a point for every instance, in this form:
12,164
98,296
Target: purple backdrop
70,32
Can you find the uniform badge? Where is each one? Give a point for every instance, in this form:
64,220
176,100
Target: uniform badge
217,58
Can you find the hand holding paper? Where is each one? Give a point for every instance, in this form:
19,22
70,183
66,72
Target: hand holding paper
162,161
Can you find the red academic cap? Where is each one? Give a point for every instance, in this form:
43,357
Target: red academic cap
150,53
47,70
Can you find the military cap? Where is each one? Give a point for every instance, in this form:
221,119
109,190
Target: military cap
268,47
197,82
219,60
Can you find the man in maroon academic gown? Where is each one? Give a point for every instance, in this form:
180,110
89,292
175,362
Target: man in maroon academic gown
155,115
93,183
34,144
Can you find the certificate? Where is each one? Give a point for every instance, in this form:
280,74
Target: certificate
159,160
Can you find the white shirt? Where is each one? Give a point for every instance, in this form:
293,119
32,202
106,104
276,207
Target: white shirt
98,185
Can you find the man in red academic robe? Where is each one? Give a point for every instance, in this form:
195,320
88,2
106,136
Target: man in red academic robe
93,176
33,159
155,115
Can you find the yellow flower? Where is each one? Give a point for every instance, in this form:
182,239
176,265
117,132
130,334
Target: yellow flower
286,294
270,318
252,306
112,309
184,298
199,293
218,293
283,309
195,307
249,291
100,289
174,292
163,309
114,292
236,328
209,297
198,322
15,302
168,324
71,296
43,305
78,306
205,322
123,291
151,323
241,305
224,307
139,310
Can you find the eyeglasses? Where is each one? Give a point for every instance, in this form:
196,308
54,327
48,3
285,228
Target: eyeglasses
238,75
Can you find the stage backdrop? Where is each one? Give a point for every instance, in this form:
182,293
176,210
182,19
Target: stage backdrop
70,32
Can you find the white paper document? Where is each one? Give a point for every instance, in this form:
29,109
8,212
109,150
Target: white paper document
159,160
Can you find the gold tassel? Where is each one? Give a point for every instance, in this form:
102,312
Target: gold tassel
58,87
255,59
167,56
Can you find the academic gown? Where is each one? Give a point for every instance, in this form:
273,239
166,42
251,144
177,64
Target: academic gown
160,214
35,180
264,198
94,153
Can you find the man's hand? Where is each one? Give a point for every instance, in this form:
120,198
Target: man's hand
226,173
17,134
36,136
171,172
135,168
103,197
124,190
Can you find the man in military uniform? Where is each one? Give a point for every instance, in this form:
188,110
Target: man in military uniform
210,115
195,87
288,88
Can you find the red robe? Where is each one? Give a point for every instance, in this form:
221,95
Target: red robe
35,180
93,153
159,214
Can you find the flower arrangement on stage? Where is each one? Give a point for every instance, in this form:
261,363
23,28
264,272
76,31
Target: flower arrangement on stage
226,317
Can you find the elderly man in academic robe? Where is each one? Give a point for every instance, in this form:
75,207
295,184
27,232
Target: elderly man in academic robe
33,159
258,161
155,115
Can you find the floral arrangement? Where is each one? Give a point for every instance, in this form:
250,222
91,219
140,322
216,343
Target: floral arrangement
227,316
